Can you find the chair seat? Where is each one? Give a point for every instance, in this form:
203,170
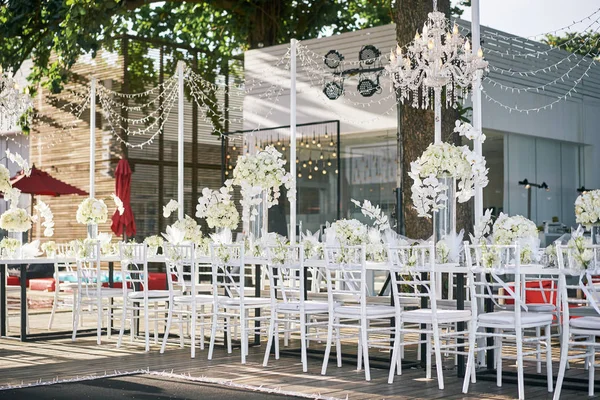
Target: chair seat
152,294
586,323
105,293
373,311
408,301
200,298
506,319
447,304
425,315
248,301
309,306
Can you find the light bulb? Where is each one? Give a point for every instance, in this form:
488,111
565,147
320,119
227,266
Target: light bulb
329,163
336,171
299,175
467,46
324,172
307,145
278,143
309,161
319,145
230,167
234,148
303,165
334,154
314,141
309,176
480,53
282,148
228,156
455,29
226,172
316,168
331,144
297,161
430,44
417,37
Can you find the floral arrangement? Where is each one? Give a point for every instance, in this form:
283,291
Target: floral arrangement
445,159
92,211
348,232
380,220
10,245
44,210
587,208
482,229
375,248
106,246
312,247
15,220
154,241
171,206
49,247
442,252
184,231
580,253
217,208
508,230
263,171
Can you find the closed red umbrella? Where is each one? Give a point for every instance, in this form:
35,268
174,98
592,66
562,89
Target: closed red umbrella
42,183
123,191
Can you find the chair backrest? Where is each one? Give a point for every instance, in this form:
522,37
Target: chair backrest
181,268
577,281
89,274
345,275
228,271
494,272
412,273
134,267
286,273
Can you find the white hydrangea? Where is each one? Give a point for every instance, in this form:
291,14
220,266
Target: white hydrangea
348,232
15,220
263,171
92,211
580,253
587,208
508,230
154,241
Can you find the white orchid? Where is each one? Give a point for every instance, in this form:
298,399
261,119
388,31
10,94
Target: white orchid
118,203
174,235
12,196
373,212
171,206
467,130
20,161
217,208
580,254
44,210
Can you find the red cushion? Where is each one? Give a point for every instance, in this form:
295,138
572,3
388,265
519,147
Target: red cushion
42,284
14,281
536,296
156,281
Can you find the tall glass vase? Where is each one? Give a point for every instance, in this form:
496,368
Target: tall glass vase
444,220
257,226
18,236
92,231
595,232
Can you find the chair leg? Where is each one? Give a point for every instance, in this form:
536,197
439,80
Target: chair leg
328,346
438,355
99,322
277,338
538,350
470,370
498,359
549,376
365,348
146,326
213,334
193,318
54,306
395,354
564,353
76,318
244,334
592,367
520,378
428,356
303,342
123,318
270,334
167,328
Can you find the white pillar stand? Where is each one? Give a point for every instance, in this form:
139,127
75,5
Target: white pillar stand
180,139
292,159
92,136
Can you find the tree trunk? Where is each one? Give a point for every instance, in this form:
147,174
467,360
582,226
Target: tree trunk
416,128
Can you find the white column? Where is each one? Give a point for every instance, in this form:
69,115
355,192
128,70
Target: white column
437,94
92,136
292,159
477,123
180,159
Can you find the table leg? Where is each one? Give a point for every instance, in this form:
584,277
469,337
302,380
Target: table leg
489,307
460,305
23,268
424,305
3,273
257,272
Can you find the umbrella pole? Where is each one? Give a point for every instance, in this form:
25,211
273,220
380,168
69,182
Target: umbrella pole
31,213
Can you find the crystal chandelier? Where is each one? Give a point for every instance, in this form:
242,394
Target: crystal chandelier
437,58
13,102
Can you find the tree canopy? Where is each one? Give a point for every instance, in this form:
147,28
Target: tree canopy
587,43
54,33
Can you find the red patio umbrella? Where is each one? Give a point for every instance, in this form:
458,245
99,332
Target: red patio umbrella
42,183
123,191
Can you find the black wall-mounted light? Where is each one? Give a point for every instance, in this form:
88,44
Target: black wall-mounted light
528,185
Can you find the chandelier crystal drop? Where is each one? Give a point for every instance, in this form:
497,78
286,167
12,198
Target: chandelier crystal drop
437,57
13,102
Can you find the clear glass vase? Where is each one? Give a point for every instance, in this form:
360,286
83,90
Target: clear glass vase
257,226
223,234
92,231
18,236
444,220
595,233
